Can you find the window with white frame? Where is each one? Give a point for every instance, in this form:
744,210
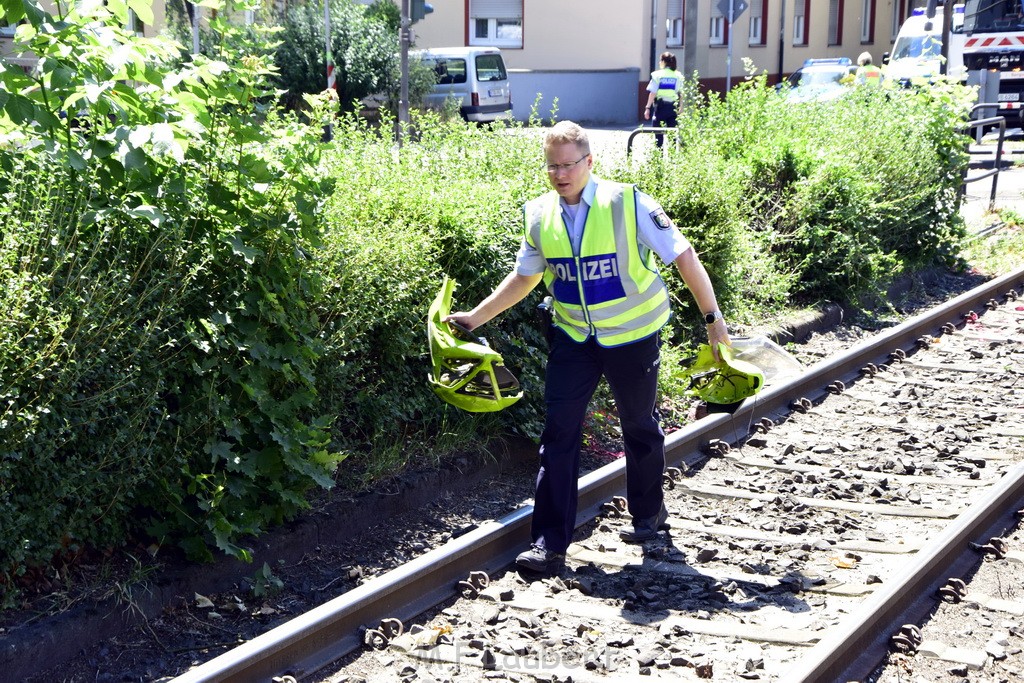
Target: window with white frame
135,24
496,22
899,10
867,21
674,23
800,22
755,34
6,27
835,22
716,32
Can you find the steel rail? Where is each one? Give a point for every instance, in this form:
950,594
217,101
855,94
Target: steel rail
311,641
854,649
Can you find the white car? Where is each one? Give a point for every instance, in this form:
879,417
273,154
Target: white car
820,79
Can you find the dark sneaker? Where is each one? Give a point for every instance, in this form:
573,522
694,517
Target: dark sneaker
541,560
646,529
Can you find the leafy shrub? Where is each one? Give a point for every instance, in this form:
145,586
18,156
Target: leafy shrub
451,203
364,47
755,168
158,347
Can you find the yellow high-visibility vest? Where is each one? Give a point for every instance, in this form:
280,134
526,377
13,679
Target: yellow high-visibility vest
668,80
870,74
609,289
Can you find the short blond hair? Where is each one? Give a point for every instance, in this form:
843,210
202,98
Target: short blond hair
567,132
864,59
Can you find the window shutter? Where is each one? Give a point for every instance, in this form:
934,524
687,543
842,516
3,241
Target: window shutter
675,9
833,21
496,9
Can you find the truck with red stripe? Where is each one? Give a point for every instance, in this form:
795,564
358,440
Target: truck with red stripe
993,53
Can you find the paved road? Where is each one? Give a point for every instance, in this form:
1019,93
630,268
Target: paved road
1009,184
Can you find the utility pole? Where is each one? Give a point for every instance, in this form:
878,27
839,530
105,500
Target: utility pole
403,88
782,39
728,56
947,21
732,9
329,58
193,16
654,35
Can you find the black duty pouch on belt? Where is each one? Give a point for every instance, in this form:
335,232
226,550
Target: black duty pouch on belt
545,315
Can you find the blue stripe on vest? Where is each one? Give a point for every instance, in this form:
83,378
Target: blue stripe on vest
667,84
601,279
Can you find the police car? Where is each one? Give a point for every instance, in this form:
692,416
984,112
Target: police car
819,79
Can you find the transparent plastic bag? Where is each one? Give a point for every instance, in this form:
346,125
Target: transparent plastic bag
775,363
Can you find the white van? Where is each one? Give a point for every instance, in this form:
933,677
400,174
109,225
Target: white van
917,52
475,76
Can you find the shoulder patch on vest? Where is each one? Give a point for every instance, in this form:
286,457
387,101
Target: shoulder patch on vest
661,219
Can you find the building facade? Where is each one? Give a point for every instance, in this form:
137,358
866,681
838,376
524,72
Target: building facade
592,59
600,52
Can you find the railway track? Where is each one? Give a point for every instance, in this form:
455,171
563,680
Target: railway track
810,529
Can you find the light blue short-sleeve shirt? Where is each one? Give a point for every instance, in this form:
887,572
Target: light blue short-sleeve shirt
655,231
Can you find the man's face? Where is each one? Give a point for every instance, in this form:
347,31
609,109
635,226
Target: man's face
568,170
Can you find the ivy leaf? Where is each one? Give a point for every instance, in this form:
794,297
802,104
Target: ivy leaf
119,9
20,109
76,160
16,10
143,9
241,249
149,213
137,160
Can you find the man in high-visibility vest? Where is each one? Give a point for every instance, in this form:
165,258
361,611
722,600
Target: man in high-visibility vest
594,243
868,73
663,99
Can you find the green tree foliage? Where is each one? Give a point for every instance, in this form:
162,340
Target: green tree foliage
363,45
157,347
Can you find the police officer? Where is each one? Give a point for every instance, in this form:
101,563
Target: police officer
663,100
593,243
867,72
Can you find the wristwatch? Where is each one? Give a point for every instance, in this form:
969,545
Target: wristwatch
710,318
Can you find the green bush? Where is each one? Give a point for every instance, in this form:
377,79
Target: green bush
364,47
844,195
158,345
451,203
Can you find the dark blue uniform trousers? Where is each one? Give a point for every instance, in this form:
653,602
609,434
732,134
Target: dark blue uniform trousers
573,372
665,115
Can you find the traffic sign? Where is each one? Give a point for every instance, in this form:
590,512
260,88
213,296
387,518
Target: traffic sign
738,8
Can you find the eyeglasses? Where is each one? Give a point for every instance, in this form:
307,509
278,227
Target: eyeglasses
555,168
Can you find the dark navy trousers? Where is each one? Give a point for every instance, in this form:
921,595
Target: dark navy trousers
665,115
573,372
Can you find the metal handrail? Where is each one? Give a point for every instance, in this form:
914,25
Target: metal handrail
997,163
640,130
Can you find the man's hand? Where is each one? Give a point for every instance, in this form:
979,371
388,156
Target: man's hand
464,319
718,334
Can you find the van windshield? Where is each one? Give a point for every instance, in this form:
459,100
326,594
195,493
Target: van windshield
490,68
921,46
